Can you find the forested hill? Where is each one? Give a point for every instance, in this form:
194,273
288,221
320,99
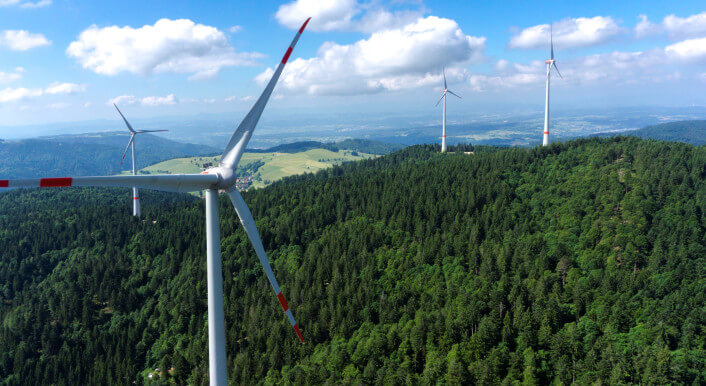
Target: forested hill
87,154
693,132
579,262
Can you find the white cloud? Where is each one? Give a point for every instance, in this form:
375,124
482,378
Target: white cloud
177,46
8,77
64,88
690,50
235,28
19,93
343,15
21,40
123,100
159,101
646,28
384,61
568,33
614,68
234,98
146,101
692,26
326,15
25,4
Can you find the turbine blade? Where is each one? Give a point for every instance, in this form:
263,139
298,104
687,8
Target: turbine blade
249,224
163,182
444,72
557,70
551,41
236,146
126,122
442,97
149,131
132,138
452,93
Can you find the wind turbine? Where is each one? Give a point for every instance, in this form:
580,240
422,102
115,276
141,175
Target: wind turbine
133,133
550,63
221,177
443,122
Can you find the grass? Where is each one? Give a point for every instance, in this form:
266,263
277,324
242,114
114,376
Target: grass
276,165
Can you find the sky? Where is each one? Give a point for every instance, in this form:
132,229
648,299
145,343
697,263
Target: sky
68,61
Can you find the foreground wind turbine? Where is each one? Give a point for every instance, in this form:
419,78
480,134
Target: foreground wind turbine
550,63
443,121
133,133
221,177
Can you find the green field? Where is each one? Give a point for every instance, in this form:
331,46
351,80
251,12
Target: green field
276,165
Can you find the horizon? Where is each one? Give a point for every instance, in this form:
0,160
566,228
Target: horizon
630,55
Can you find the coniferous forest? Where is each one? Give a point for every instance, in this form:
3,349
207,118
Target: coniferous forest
581,262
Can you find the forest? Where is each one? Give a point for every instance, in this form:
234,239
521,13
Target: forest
580,262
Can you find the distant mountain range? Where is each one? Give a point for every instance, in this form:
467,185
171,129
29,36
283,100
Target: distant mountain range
100,153
87,154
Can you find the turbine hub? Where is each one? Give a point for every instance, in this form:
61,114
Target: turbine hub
226,176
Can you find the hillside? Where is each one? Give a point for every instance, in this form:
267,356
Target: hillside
357,145
87,154
693,132
579,262
265,167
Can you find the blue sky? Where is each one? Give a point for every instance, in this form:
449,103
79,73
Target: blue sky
67,60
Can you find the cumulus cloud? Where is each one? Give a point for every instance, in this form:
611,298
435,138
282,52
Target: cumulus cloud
176,46
326,15
393,59
675,27
690,50
692,26
64,88
25,4
343,15
614,67
15,94
569,33
646,28
145,101
21,40
9,77
11,94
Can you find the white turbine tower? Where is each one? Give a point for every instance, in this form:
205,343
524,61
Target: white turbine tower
221,177
550,63
133,133
443,120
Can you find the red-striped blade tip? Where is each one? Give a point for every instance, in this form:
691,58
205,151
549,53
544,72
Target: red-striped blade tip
55,182
4,183
286,55
299,333
283,301
304,25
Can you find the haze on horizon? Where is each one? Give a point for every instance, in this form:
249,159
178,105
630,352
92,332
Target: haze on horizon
65,62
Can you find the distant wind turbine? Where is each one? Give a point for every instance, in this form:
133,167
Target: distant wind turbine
133,133
221,177
550,63
443,122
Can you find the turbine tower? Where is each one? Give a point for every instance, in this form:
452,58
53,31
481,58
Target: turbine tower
550,63
221,177
135,196
443,120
